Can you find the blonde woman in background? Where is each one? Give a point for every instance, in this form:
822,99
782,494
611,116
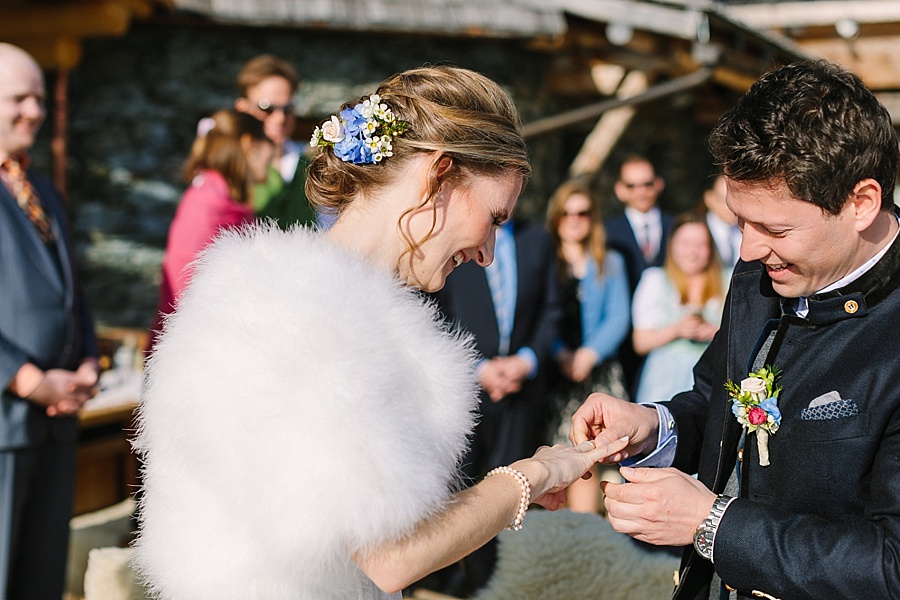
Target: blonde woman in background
596,316
677,309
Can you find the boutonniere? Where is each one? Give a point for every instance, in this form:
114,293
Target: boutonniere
755,404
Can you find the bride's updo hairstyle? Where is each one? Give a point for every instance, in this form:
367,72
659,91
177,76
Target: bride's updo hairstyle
449,110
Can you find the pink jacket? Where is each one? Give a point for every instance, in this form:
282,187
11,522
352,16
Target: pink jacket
204,210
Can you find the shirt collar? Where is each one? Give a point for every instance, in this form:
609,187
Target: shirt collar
844,281
639,218
849,283
717,225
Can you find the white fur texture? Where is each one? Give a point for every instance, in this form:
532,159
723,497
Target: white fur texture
571,556
301,406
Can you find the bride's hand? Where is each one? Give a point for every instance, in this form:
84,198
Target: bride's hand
552,469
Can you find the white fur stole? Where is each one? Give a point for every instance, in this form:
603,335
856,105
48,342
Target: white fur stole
300,406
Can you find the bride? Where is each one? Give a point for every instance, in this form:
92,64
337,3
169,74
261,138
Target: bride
305,411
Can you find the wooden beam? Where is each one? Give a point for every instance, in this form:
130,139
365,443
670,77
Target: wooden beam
891,101
607,78
606,133
780,15
52,33
593,111
732,79
144,8
875,59
52,51
75,19
676,22
60,142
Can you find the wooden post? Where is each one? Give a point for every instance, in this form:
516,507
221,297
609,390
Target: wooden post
59,144
609,128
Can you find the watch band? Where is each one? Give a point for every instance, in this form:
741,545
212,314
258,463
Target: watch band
705,535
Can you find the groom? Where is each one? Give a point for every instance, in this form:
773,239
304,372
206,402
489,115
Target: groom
810,158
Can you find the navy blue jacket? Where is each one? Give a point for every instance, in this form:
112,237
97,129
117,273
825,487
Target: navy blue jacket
620,237
823,519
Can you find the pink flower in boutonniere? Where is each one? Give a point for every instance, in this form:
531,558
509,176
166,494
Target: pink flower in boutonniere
757,416
755,405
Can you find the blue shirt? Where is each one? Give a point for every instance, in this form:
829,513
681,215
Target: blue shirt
503,280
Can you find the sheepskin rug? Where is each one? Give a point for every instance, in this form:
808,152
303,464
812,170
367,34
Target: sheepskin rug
109,576
110,526
571,556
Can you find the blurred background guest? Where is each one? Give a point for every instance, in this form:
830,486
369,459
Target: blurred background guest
267,85
595,318
641,232
512,309
230,155
48,349
722,223
677,309
640,235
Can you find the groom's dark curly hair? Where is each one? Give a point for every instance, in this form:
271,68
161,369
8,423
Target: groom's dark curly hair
814,126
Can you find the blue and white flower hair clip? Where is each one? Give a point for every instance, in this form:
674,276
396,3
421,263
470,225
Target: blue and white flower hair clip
362,134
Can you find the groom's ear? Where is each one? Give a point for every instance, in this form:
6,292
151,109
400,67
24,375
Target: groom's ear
865,203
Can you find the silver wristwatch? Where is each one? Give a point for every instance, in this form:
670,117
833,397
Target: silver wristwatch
706,532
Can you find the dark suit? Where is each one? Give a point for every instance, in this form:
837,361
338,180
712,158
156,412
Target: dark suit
823,519
512,428
620,236
43,320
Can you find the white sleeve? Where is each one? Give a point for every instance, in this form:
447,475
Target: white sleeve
651,300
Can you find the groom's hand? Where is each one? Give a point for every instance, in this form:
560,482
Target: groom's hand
663,507
601,413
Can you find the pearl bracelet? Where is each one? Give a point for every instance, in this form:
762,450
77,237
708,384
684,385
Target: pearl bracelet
524,500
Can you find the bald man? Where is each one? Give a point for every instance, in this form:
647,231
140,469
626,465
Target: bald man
48,350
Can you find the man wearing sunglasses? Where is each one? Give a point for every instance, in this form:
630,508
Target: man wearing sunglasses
640,236
266,85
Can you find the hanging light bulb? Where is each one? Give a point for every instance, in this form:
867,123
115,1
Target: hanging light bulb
619,34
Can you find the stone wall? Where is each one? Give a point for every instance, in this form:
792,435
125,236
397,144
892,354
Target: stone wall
135,102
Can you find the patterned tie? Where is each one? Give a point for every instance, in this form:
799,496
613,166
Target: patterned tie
25,196
646,249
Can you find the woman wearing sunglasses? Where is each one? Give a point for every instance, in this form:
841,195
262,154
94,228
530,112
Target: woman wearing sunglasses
595,318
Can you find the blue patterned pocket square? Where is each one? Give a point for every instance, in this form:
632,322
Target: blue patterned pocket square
829,406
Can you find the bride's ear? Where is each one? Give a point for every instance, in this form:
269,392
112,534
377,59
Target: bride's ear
440,172
443,166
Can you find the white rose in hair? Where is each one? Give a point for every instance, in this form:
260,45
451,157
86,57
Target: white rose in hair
333,130
755,386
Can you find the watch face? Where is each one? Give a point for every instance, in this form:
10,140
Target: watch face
703,542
